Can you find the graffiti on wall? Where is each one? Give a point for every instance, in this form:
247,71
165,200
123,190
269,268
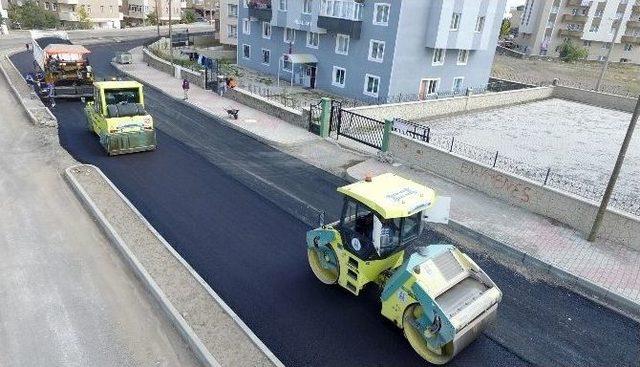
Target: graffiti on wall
498,181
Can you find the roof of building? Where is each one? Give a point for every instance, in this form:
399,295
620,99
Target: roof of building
118,84
46,41
390,195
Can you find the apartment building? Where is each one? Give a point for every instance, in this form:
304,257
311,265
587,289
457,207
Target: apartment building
372,49
135,12
207,9
103,13
596,25
229,21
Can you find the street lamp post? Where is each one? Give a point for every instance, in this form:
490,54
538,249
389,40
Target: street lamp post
614,175
157,19
606,61
170,39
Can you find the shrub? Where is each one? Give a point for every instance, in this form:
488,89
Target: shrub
570,52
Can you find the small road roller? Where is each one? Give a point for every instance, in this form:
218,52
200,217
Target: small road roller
117,115
436,294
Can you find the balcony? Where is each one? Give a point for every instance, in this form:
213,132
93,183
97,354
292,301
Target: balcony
570,32
68,2
631,39
68,16
579,3
633,24
345,17
574,18
260,10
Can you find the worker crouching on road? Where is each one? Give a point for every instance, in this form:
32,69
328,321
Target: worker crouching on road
185,88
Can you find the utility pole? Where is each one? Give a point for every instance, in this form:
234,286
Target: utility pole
606,62
157,19
170,39
211,13
614,174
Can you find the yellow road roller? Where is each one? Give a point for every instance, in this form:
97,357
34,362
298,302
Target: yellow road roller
436,294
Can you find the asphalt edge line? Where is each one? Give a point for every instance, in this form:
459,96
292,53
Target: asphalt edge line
219,118
572,282
187,333
263,348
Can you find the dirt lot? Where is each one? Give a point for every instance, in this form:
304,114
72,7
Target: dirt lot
619,79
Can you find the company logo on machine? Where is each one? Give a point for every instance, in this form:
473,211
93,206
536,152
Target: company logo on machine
355,244
402,296
400,194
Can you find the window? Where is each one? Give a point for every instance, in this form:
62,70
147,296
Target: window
376,51
457,84
246,26
282,5
381,14
594,28
289,35
232,10
266,30
344,9
307,6
339,76
627,47
455,21
463,57
479,24
232,31
438,56
606,45
266,56
428,87
342,44
101,8
246,51
313,39
586,43
286,64
371,85
613,30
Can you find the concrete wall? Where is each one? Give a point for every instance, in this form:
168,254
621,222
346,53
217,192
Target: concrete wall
157,63
270,107
194,77
569,209
611,101
422,110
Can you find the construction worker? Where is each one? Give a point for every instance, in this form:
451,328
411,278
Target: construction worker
51,89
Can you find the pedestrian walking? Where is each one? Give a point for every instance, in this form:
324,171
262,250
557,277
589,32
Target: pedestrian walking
185,88
51,89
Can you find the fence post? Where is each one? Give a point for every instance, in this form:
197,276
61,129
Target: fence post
325,117
546,178
453,139
388,125
495,159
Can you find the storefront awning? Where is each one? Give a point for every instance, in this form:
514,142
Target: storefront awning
301,58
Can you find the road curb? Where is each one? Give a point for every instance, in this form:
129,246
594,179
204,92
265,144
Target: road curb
218,118
14,90
570,281
194,342
180,323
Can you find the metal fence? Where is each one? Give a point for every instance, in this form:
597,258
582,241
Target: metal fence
546,176
360,128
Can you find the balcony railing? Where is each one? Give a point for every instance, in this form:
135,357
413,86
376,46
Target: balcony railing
579,3
574,18
260,10
633,24
631,39
571,32
341,16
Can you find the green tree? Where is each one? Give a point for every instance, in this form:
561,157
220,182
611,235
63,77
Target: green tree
152,18
505,28
189,16
570,52
31,16
84,20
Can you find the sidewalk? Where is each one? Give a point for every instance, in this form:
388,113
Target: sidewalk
604,270
610,266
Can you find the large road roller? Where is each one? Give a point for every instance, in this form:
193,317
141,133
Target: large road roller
436,294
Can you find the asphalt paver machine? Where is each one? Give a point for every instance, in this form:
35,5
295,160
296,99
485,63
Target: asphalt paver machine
436,294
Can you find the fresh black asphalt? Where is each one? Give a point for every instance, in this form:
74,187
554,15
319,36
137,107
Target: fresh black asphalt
204,190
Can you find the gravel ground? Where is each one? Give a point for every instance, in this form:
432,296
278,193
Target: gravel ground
219,333
619,79
579,142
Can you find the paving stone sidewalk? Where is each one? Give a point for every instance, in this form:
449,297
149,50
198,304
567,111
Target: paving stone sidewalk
606,264
610,266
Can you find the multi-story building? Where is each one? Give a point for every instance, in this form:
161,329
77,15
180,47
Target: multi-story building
229,21
136,12
102,13
596,25
206,9
372,49
516,17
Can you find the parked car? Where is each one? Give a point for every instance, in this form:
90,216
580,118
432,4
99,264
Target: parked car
123,58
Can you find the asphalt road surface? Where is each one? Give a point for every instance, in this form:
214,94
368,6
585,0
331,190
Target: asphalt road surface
197,190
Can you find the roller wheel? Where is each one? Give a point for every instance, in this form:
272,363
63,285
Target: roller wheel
317,258
440,355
